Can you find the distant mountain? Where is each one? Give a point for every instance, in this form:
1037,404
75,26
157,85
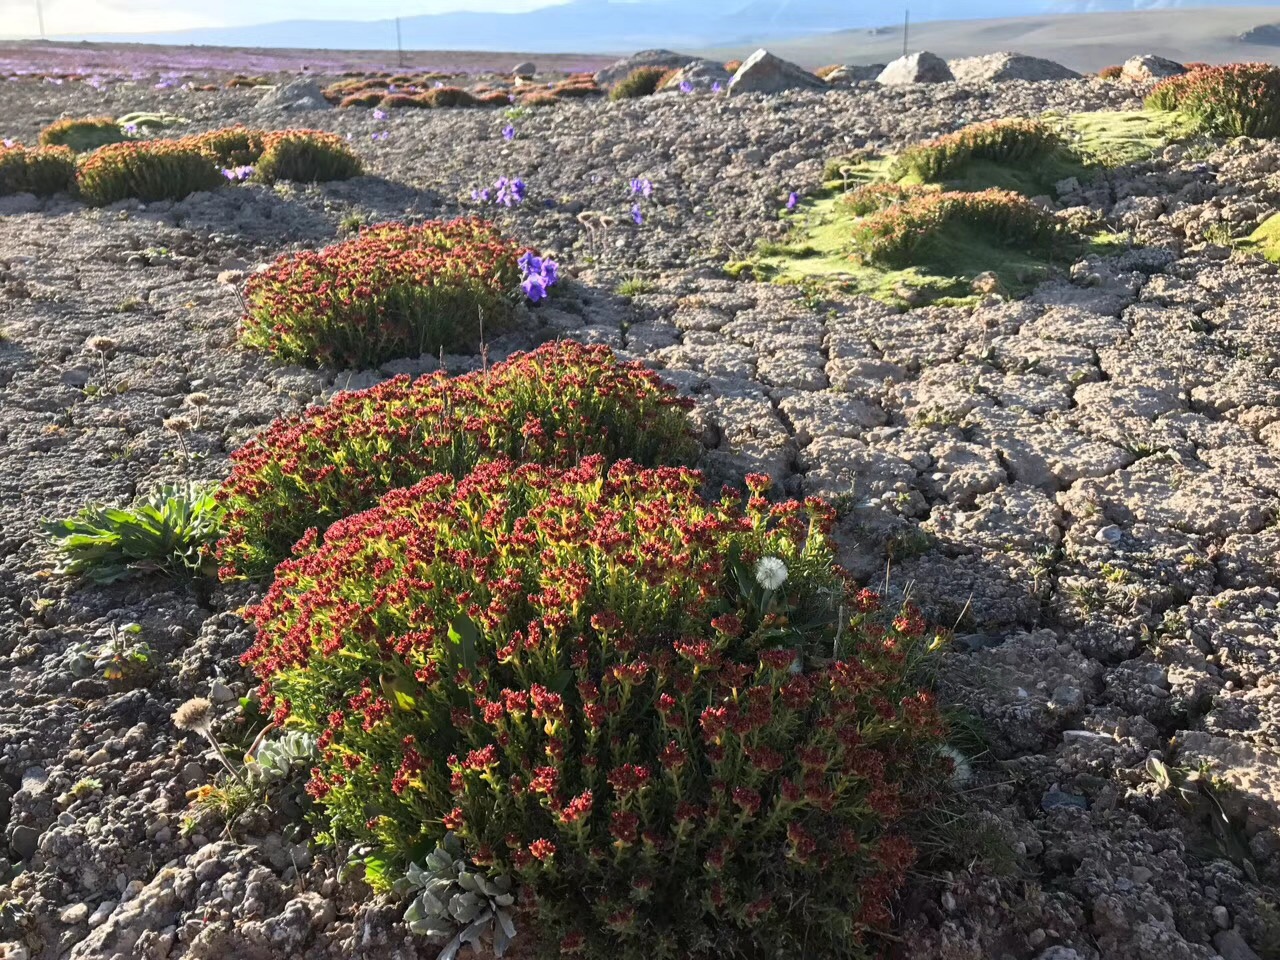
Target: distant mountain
591,26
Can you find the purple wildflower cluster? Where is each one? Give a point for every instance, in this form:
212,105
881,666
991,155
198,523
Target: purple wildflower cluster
540,275
237,174
793,200
641,188
508,133
505,192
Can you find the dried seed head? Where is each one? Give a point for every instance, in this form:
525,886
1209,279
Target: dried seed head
177,424
100,344
195,714
197,399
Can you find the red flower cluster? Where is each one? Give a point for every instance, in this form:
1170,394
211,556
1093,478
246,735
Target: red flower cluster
330,462
394,291
551,632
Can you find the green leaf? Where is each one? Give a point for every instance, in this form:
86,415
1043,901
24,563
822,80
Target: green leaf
463,635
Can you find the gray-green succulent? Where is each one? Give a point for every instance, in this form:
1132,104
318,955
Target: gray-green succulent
457,903
275,761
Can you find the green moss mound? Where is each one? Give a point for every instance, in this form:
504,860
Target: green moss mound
82,135
932,249
1265,240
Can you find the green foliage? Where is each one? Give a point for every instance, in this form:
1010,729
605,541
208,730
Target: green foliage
146,170
309,156
1236,100
670,720
1011,141
43,171
638,83
554,405
393,291
903,232
147,122
82,135
166,532
634,287
456,903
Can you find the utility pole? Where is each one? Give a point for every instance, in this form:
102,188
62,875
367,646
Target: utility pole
40,17
906,29
399,46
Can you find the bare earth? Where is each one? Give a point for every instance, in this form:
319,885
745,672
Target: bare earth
1086,481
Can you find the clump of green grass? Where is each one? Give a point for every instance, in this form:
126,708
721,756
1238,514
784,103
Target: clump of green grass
634,287
640,82
1011,141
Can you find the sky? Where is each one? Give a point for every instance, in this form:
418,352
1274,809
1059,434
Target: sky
130,16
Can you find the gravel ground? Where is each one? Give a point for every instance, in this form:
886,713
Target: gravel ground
1084,481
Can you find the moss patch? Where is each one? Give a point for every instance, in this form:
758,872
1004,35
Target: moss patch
820,246
1265,239
1116,138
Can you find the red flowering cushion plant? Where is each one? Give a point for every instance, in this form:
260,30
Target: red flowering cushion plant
1235,100
394,291
553,406
619,694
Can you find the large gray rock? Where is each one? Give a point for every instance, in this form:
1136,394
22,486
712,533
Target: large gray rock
701,75
762,72
300,94
922,67
1148,66
526,69
666,59
995,67
852,73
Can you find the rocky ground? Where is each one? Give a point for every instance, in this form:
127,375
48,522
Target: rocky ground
1085,482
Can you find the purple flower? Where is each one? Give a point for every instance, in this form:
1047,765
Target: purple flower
380,135
237,174
716,87
379,114
539,275
8,144
686,86
391,88
481,196
636,215
793,201
641,187
131,129
508,133
535,287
